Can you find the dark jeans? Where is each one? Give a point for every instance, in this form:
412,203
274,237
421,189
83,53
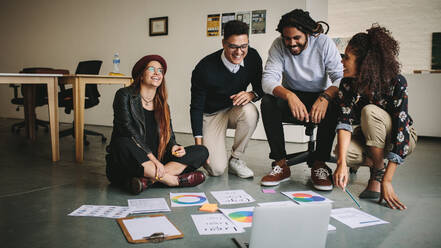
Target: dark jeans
125,159
276,110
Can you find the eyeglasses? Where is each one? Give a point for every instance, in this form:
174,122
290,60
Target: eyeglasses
242,47
153,69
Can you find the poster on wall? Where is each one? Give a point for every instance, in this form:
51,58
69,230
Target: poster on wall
244,17
226,17
258,23
341,44
213,22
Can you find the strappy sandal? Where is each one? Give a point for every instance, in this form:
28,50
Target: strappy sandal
377,175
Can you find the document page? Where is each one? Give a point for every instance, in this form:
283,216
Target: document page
355,218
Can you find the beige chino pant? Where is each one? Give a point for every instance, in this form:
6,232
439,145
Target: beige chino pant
242,118
374,130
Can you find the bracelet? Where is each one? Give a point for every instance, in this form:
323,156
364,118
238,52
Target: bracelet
326,96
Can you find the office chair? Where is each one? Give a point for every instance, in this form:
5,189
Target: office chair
40,91
92,97
305,156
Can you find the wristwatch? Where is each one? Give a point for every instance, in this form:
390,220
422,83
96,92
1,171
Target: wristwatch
326,96
256,96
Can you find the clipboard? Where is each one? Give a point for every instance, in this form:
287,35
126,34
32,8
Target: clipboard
136,224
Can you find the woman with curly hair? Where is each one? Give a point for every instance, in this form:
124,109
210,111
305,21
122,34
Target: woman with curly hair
373,120
143,149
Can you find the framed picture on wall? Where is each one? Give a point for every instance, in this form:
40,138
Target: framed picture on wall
158,26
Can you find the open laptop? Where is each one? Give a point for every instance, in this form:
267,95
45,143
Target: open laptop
289,226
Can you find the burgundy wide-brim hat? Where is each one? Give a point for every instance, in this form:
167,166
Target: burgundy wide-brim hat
142,63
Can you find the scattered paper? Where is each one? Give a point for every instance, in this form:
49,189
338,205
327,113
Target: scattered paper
241,217
208,207
187,199
355,218
140,228
232,196
277,203
214,224
101,211
268,191
306,197
150,205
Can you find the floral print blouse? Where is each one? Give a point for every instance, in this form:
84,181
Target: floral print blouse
395,102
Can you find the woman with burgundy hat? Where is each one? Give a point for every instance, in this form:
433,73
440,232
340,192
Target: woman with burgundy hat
143,149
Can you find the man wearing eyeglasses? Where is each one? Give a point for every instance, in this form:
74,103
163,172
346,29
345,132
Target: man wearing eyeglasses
220,100
301,77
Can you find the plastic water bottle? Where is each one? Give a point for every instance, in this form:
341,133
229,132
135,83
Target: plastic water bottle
116,63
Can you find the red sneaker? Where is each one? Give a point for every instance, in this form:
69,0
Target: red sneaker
321,178
280,173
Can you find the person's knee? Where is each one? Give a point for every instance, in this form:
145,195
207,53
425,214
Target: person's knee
370,111
250,115
201,152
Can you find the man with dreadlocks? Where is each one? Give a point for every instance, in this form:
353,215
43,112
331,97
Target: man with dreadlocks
296,82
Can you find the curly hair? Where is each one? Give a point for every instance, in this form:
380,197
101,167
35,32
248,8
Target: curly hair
301,20
376,60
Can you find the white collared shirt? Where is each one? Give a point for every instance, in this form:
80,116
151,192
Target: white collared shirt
230,66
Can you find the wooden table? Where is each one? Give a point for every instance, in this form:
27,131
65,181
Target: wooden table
51,80
79,82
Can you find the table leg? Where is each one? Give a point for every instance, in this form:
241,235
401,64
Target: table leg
79,91
29,110
52,92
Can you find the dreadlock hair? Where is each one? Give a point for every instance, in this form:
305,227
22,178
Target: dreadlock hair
376,60
301,20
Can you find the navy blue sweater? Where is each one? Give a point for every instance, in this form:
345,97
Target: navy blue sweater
212,84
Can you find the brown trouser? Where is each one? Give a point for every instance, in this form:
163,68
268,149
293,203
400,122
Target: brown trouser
374,130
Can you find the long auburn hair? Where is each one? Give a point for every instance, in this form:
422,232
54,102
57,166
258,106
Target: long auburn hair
377,64
162,112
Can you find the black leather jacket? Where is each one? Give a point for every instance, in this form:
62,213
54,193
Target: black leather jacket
129,119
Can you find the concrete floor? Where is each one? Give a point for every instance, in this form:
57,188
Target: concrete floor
36,196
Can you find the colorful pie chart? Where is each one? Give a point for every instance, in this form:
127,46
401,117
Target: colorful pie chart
242,216
301,197
188,199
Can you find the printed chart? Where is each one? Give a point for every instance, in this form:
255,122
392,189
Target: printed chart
306,197
187,199
241,217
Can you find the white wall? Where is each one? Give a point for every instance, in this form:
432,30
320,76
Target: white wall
58,34
411,23
425,113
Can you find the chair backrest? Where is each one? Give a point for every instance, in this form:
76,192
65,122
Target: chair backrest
91,67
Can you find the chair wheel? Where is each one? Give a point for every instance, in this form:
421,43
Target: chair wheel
353,170
103,140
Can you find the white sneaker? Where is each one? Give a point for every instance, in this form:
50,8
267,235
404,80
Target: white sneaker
239,168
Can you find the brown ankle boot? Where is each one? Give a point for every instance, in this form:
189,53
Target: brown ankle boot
138,184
